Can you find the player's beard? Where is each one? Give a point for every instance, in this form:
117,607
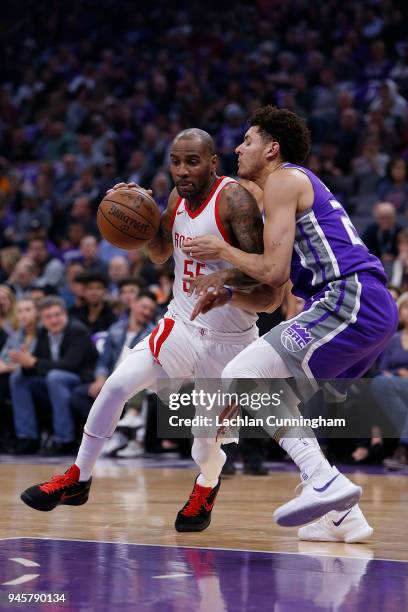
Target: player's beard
195,190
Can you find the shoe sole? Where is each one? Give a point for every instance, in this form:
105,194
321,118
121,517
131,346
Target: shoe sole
47,508
190,528
360,535
316,509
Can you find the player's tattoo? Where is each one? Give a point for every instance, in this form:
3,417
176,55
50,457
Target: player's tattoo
246,228
244,219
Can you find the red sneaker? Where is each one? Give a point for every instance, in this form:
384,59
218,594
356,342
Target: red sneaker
196,513
61,489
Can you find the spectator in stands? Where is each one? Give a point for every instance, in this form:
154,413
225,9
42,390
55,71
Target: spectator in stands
70,243
129,289
118,270
399,276
87,185
66,180
395,291
95,313
106,251
8,315
347,137
390,102
86,156
381,236
109,176
83,214
122,335
138,171
23,338
73,290
89,256
51,269
24,275
164,289
39,293
7,220
141,267
390,388
63,357
32,210
161,187
394,188
9,256
370,166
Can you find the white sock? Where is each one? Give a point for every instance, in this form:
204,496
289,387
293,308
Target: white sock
88,453
306,453
210,458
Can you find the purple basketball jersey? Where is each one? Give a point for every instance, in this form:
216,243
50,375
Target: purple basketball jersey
327,246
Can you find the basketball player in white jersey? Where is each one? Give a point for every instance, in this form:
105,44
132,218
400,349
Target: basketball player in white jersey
201,203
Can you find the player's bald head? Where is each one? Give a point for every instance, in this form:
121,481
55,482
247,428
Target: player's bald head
198,137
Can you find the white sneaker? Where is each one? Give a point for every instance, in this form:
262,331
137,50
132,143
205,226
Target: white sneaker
325,490
116,442
350,526
133,449
133,421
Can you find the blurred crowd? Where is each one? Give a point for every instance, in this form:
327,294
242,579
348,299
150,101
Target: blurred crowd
95,95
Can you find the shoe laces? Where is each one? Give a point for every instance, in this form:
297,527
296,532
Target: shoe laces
196,500
61,481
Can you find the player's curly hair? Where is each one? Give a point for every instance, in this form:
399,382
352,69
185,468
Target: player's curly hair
285,127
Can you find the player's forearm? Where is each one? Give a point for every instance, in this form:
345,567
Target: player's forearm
235,278
255,266
159,249
259,299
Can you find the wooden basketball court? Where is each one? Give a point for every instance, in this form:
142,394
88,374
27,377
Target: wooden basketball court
134,504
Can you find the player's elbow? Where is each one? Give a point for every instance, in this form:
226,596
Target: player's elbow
159,260
159,256
274,274
276,279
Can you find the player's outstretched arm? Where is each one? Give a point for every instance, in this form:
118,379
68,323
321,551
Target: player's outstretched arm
160,248
272,267
262,298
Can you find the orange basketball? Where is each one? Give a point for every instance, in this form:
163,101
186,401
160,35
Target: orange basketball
128,218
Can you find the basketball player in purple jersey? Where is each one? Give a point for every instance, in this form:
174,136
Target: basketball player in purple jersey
348,318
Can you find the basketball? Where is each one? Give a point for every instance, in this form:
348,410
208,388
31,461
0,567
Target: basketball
128,218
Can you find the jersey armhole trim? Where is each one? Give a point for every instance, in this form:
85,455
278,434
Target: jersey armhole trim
224,233
173,216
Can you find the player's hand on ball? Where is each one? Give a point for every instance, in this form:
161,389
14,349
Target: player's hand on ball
210,300
205,248
128,186
199,285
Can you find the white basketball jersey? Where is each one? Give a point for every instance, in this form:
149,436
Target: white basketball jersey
189,224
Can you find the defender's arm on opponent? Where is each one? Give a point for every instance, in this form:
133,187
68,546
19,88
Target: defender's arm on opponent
241,218
272,267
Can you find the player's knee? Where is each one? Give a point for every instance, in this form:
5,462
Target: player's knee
119,387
